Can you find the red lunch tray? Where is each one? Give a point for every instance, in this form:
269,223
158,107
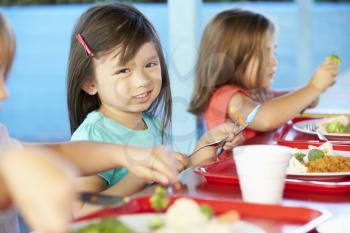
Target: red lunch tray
287,136
224,171
305,219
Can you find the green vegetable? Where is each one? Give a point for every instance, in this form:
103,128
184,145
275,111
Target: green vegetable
346,128
160,191
107,225
334,127
159,200
207,211
299,156
156,223
334,57
315,154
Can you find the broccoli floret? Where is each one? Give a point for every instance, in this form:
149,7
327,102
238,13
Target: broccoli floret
299,156
334,57
207,211
159,200
315,154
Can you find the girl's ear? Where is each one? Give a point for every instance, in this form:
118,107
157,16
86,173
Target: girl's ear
89,87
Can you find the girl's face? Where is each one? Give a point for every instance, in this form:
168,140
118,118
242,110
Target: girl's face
3,90
131,87
270,69
271,65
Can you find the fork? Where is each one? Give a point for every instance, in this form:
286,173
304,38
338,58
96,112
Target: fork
220,142
312,128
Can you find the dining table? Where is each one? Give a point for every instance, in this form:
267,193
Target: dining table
335,206
326,210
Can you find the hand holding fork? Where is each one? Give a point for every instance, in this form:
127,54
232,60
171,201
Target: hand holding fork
221,142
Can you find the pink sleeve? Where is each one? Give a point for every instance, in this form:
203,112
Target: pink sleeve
217,110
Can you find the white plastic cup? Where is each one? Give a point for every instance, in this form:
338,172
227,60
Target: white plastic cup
262,171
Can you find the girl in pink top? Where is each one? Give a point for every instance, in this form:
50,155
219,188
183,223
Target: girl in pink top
235,68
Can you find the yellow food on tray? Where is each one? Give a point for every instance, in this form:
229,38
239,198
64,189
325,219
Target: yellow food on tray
329,164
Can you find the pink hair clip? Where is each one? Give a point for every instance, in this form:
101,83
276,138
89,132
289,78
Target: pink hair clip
80,39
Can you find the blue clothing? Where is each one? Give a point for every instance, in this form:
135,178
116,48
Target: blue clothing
98,127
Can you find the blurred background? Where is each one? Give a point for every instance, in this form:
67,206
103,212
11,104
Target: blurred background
36,109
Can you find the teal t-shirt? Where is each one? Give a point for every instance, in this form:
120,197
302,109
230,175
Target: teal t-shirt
98,127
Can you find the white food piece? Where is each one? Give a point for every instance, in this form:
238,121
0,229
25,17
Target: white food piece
185,216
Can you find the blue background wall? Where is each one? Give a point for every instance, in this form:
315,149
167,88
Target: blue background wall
36,108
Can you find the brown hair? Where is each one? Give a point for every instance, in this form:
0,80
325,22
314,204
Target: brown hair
7,45
104,27
229,42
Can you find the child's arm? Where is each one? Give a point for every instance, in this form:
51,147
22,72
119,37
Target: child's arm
39,185
93,157
275,112
127,186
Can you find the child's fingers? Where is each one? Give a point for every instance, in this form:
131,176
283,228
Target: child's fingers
164,169
227,128
154,175
182,161
332,68
165,163
231,145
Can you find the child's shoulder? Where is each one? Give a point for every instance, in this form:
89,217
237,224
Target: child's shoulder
230,90
224,95
90,129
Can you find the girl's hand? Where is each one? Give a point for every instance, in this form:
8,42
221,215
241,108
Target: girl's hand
156,164
226,129
41,187
208,154
233,141
324,76
182,161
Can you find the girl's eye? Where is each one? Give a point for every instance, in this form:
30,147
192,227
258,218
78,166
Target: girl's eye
122,71
152,64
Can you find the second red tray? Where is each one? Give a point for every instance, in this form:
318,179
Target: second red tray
287,136
224,171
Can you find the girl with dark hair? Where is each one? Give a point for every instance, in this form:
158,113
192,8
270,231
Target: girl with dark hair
118,89
37,179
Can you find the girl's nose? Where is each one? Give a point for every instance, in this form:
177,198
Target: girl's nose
141,79
3,90
273,60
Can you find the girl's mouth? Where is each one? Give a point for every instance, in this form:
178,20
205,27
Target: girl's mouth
144,97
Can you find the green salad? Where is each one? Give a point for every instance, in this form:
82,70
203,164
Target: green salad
336,124
337,127
107,225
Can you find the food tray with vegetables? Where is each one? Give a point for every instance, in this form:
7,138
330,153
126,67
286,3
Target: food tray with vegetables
165,213
288,135
224,171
